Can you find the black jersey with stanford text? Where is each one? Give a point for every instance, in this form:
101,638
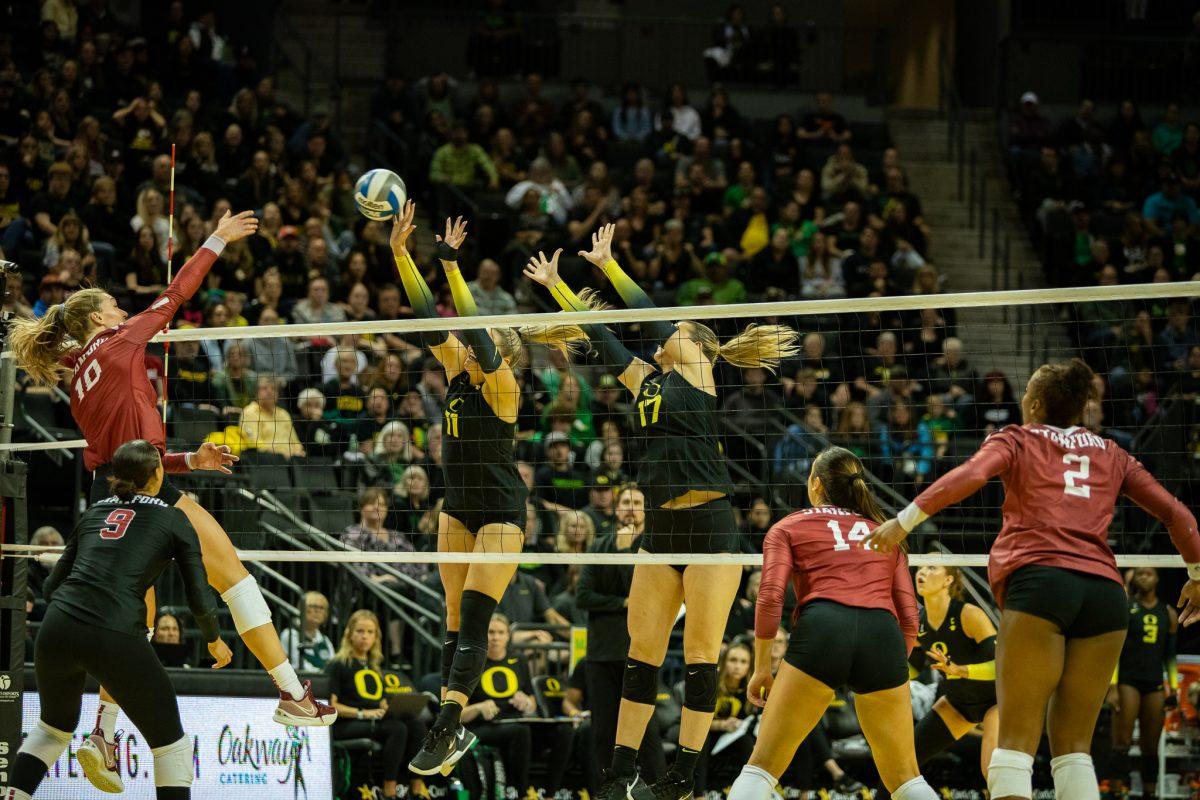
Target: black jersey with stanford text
501,679
682,450
951,640
116,552
477,453
1144,655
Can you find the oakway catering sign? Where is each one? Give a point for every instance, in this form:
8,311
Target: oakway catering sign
238,751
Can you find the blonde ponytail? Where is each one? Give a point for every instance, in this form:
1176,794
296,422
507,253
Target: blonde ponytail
593,300
757,346
40,345
566,339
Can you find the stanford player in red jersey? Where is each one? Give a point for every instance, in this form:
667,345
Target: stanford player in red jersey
855,623
1064,606
113,401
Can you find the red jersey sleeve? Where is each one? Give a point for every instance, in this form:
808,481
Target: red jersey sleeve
776,573
994,456
175,463
1141,487
142,327
905,599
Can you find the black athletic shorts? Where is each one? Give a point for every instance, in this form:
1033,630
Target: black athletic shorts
707,528
167,493
970,702
1143,686
839,645
68,650
475,519
1081,605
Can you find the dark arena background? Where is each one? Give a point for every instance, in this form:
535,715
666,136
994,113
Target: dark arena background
937,196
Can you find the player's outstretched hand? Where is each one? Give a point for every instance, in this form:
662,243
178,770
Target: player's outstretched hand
236,226
886,538
402,227
760,688
218,458
456,234
220,653
601,252
1189,602
543,270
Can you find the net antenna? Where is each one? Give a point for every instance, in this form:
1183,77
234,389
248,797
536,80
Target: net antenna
170,255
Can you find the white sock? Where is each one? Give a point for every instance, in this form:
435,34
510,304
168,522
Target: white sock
285,678
1010,774
1074,777
754,783
106,719
915,789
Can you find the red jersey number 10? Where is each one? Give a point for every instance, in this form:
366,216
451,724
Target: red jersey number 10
116,523
857,533
85,382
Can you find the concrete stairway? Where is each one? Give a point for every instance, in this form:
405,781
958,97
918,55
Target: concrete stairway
1012,340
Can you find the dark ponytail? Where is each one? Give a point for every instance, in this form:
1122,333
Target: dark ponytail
1064,390
844,482
133,466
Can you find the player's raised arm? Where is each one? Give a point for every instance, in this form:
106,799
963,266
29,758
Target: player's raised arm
478,339
444,346
634,295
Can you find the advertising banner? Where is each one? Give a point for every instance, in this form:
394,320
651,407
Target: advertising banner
239,751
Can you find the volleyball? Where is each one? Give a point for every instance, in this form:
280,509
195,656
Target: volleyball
380,194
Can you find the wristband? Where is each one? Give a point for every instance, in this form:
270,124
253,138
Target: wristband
912,516
187,459
445,252
358,713
1193,572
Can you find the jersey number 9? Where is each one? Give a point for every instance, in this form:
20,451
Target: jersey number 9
116,523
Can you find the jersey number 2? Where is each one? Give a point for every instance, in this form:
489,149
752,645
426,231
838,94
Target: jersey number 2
116,523
857,534
1072,475
85,382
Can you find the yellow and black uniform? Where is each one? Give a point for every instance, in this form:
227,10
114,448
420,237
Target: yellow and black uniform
482,482
721,769
1149,649
682,452
359,685
501,679
971,697
96,622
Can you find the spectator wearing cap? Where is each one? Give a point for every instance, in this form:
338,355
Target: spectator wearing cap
719,286
1166,205
50,292
601,507
289,259
490,296
48,207
1029,130
608,404
560,484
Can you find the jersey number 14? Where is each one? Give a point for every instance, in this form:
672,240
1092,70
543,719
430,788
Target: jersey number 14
858,532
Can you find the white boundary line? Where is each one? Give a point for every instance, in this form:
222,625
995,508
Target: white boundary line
358,557
1150,291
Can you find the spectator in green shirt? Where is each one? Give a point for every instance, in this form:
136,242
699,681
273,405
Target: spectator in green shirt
1168,134
716,284
459,163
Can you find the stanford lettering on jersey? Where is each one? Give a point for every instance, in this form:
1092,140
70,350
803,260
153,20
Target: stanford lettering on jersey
1070,439
834,510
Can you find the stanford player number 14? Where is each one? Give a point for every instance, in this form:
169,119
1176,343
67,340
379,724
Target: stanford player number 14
857,533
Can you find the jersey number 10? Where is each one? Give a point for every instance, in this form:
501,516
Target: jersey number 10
857,534
85,382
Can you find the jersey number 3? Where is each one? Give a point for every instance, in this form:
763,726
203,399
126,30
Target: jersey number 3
857,534
1072,475
116,523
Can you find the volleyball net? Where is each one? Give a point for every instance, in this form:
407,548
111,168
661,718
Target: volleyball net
341,427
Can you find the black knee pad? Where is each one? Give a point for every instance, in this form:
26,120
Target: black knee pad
640,682
931,737
475,612
1149,767
449,646
700,688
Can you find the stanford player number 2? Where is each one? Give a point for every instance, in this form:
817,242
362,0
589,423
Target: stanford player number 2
91,374
1072,475
857,534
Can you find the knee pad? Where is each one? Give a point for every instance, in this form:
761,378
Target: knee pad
470,656
1075,777
246,605
915,789
449,646
931,737
700,688
45,743
1010,774
639,684
173,764
1149,767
